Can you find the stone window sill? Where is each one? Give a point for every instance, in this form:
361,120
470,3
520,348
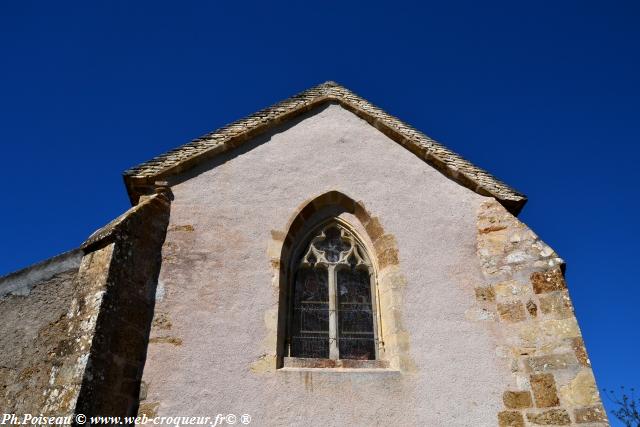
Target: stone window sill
328,365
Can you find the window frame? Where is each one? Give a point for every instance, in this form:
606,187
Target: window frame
296,261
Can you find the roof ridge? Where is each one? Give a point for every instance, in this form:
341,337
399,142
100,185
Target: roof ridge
140,177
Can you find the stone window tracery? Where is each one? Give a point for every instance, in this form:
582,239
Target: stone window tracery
332,300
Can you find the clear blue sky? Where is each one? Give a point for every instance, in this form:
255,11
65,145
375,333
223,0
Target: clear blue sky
545,95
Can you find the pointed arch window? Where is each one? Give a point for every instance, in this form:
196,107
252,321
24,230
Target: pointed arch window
332,307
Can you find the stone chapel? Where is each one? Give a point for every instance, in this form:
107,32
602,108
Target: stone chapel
318,263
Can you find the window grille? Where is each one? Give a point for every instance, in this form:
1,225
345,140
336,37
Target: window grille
332,311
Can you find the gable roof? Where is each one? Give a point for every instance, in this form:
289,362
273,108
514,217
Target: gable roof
140,179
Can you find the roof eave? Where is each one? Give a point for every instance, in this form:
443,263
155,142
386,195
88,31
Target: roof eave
141,179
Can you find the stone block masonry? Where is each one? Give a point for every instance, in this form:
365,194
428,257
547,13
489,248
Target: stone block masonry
33,322
540,341
127,297
85,351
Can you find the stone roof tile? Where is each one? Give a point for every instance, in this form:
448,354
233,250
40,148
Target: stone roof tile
140,179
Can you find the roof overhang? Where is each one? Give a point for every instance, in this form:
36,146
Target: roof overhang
141,179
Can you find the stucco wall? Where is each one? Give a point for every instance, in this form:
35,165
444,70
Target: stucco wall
211,348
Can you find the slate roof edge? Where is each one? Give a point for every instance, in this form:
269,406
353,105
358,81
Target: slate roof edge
140,179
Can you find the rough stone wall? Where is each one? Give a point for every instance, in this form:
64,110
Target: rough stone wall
20,282
525,292
77,342
111,383
68,371
31,325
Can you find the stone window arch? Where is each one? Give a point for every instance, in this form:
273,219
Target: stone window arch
332,312
379,253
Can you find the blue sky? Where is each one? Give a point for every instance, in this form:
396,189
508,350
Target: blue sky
544,95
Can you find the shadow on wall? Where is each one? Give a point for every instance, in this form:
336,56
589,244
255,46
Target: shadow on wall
111,384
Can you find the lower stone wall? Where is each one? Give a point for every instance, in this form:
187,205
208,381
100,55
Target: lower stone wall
111,382
540,341
66,376
31,329
46,336
76,342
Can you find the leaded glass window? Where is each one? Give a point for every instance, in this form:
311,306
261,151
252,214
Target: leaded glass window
332,311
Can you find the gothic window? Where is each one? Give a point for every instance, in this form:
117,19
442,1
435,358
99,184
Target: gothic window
332,312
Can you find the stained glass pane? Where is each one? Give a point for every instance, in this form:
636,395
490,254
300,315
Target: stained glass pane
310,347
355,315
354,286
332,245
310,326
333,250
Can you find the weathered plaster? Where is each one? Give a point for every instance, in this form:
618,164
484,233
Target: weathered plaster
21,281
221,297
